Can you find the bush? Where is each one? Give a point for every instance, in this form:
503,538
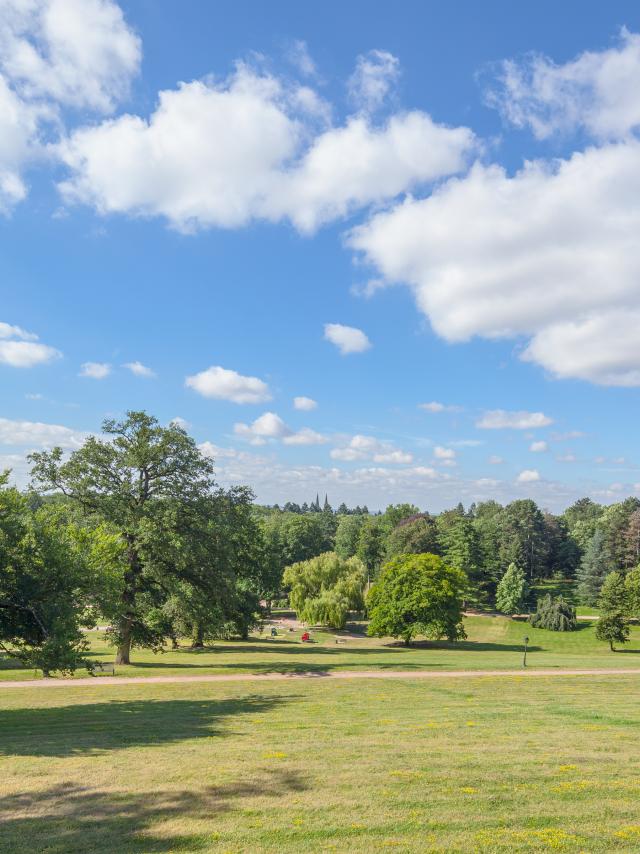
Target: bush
557,615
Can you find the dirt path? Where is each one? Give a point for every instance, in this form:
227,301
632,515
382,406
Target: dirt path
106,681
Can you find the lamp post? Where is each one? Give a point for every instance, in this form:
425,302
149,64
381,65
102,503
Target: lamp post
524,660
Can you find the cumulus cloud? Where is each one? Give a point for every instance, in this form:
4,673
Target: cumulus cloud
501,419
597,91
444,456
549,253
375,74
95,370
35,434
538,447
360,447
21,349
220,154
139,370
528,476
304,403
436,406
270,426
76,52
305,436
347,339
224,384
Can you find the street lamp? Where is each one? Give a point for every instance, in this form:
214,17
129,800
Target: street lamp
524,661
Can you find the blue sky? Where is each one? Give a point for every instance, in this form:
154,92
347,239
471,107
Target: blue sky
247,203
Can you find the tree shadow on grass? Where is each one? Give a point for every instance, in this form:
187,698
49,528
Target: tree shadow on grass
70,818
96,727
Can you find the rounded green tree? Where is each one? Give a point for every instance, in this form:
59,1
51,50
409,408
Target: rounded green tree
417,594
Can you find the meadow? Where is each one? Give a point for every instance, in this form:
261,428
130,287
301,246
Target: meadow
492,643
489,765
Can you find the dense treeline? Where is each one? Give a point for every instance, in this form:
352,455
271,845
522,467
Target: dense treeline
132,530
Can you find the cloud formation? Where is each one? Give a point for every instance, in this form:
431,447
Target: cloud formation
95,370
347,339
224,384
21,349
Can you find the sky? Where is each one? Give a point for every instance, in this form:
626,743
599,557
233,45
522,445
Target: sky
388,253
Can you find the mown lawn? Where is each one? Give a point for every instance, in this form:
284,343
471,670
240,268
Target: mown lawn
489,765
493,642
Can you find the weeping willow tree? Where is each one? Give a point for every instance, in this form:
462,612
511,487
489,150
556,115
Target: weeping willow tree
325,588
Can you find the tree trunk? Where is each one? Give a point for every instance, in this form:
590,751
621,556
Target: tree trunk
407,641
611,645
124,647
198,637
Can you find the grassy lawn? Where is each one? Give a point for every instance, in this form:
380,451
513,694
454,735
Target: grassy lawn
485,765
492,643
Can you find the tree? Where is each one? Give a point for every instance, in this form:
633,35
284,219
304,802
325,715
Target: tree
632,539
370,547
325,588
415,535
632,591
460,544
613,628
613,596
347,534
522,538
47,587
615,526
396,513
512,590
417,595
594,566
146,481
557,615
486,521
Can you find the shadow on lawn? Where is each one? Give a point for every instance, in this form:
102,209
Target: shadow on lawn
71,818
116,725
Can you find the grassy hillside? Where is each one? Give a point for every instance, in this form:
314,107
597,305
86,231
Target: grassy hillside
486,765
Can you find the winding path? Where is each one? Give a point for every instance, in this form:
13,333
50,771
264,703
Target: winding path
106,681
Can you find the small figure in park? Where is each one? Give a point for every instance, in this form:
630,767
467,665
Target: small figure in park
274,632
305,637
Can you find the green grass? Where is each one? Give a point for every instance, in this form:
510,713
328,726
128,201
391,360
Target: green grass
488,765
493,643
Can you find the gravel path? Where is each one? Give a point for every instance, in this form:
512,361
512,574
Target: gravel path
106,681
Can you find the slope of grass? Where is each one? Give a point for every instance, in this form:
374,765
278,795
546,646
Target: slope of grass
493,642
486,765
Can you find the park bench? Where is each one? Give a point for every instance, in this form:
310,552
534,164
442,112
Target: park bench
341,640
104,667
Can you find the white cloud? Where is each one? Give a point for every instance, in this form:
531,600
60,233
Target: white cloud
528,476
597,92
76,52
566,458
538,447
501,419
21,349
304,403
36,434
95,370
347,339
300,57
361,447
375,74
271,426
306,436
224,384
436,406
441,453
54,52
139,369
549,253
393,457
223,154
495,460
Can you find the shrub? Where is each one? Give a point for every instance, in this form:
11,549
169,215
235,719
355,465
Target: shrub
613,628
557,615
